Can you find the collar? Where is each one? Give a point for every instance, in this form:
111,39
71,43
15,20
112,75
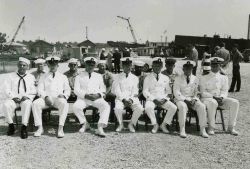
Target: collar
124,74
21,75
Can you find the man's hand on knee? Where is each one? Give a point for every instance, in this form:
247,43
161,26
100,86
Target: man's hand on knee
48,101
16,100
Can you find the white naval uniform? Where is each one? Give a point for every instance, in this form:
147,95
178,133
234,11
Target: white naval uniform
127,88
12,91
216,84
188,91
90,85
52,87
153,89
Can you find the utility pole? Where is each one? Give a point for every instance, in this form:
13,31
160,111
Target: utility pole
86,32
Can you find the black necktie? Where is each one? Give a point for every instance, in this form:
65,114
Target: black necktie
89,75
126,75
21,79
53,74
157,77
188,79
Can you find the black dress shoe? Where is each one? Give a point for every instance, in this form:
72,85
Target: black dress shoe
11,129
237,90
24,133
230,90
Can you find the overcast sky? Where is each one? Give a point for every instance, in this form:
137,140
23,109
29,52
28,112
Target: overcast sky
65,20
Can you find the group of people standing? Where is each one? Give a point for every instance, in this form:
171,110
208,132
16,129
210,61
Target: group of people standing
175,93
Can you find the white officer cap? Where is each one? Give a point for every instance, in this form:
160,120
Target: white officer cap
53,59
216,60
139,63
116,49
39,61
157,60
103,49
90,60
25,60
189,63
126,60
73,60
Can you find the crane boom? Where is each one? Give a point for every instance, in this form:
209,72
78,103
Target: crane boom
130,27
18,28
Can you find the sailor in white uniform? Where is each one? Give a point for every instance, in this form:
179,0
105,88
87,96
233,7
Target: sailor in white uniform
53,90
185,92
125,87
214,92
156,89
20,89
90,88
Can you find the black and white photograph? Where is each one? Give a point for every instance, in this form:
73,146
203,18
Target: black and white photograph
124,84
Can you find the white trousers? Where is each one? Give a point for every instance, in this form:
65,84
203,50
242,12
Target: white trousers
199,107
9,107
136,108
169,106
100,104
59,103
228,103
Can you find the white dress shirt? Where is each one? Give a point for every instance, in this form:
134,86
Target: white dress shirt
183,90
89,85
153,89
214,84
53,86
125,87
14,87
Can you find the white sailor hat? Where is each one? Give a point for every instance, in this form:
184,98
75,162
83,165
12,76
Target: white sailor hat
25,60
126,60
73,60
90,60
53,59
139,63
189,63
103,49
216,60
39,61
116,49
157,60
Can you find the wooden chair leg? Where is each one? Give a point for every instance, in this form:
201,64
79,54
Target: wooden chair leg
222,120
16,119
197,122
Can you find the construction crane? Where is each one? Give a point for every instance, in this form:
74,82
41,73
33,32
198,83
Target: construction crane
18,28
130,27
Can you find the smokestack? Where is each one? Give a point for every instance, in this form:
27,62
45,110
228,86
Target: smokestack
248,33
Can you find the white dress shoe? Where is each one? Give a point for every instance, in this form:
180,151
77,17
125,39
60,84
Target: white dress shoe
183,132
210,131
131,128
100,132
84,127
39,132
155,128
119,128
203,132
60,133
164,128
233,131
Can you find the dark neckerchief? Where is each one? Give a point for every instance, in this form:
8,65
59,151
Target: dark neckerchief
19,82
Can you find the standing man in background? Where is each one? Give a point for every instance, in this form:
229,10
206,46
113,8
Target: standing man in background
236,58
193,55
20,89
117,60
102,55
225,55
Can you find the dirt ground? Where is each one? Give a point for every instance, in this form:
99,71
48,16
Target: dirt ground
126,150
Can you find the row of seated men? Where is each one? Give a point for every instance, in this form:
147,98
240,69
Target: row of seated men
53,89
